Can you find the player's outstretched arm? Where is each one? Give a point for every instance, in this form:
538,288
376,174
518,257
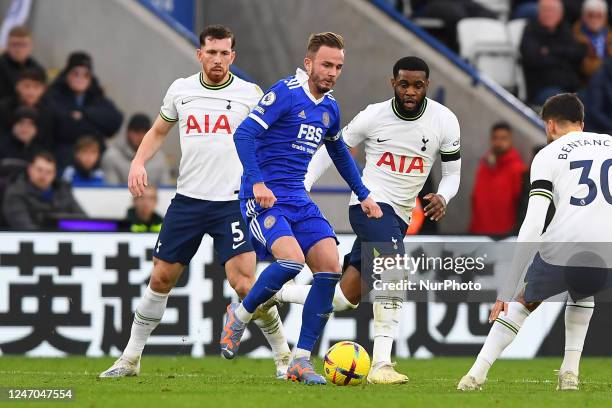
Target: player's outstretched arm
151,143
347,168
527,244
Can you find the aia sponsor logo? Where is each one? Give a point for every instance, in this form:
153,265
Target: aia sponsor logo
401,164
208,124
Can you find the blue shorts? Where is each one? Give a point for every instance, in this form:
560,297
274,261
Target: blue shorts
297,217
387,233
188,219
544,280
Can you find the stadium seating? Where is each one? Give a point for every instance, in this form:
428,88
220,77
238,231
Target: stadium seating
515,32
486,44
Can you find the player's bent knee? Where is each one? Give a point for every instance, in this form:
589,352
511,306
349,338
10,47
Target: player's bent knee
287,248
164,275
350,284
531,306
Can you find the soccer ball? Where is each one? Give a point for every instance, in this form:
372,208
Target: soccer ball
346,363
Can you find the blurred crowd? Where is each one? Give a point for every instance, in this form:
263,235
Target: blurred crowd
566,45
55,135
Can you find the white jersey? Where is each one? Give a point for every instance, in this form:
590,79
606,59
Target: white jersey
208,117
400,151
575,172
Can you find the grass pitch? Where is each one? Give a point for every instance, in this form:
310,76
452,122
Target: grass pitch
213,382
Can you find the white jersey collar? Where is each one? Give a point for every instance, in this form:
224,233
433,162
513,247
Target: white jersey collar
302,77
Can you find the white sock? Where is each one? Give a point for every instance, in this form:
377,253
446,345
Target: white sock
386,327
293,293
243,315
272,328
577,317
340,301
148,314
299,353
297,294
503,332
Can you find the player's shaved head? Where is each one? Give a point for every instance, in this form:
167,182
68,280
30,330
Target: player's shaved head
563,108
410,82
328,39
410,64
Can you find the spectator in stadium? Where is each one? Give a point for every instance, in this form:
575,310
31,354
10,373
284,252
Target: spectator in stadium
22,141
597,98
30,92
81,107
36,198
142,216
497,187
17,57
450,12
594,32
550,55
118,157
85,172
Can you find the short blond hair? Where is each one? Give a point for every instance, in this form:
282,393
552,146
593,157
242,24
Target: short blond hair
328,39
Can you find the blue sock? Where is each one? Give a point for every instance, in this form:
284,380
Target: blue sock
270,281
317,308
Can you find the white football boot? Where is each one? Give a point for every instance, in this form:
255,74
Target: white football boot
122,368
469,383
384,373
568,381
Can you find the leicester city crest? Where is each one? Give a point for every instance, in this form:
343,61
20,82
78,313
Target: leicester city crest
269,221
326,118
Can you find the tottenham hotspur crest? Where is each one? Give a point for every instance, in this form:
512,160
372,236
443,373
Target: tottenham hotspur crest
326,118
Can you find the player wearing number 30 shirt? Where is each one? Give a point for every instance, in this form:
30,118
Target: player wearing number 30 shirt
403,137
571,254
208,108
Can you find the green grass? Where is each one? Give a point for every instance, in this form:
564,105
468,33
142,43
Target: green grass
213,382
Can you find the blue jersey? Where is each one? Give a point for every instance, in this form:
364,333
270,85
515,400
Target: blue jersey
295,124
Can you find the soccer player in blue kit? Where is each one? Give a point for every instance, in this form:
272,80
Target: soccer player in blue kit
275,145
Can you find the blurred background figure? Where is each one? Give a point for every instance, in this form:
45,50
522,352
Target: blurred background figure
22,143
35,198
597,98
118,157
450,12
16,58
497,187
81,107
30,91
550,54
142,217
593,31
85,172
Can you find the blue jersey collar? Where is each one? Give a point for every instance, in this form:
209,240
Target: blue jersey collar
302,78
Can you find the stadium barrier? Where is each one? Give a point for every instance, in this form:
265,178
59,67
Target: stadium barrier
74,293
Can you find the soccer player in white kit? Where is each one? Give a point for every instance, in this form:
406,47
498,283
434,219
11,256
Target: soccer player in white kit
208,107
402,137
572,172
